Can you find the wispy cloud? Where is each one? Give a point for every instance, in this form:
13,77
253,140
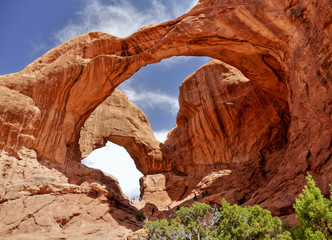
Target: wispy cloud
151,100
169,62
121,18
37,45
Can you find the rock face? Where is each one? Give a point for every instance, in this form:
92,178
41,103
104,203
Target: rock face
229,140
226,122
225,119
282,47
38,202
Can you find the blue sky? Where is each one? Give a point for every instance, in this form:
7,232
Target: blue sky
31,28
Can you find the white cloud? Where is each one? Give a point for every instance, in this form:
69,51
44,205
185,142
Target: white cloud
121,18
116,161
161,135
146,99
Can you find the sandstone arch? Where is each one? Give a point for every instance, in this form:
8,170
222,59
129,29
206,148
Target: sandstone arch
120,121
282,47
101,61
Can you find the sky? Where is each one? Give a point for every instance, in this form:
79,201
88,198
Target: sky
31,28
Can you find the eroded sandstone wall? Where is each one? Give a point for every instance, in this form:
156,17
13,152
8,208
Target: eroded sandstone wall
225,119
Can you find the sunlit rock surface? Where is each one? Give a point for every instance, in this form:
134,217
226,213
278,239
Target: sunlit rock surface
282,47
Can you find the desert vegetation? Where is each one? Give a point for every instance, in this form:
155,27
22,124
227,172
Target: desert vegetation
201,221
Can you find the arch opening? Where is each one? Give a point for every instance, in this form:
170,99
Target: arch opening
115,160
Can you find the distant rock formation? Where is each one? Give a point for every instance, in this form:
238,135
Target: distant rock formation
249,141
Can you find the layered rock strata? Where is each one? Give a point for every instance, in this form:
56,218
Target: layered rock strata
282,47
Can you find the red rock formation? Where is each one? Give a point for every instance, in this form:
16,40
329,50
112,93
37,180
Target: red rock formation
120,121
224,119
283,47
224,122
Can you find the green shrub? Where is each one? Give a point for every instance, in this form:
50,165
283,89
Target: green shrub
229,222
140,216
314,213
238,222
